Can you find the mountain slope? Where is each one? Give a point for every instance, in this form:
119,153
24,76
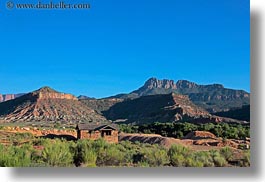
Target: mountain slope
49,105
213,98
160,108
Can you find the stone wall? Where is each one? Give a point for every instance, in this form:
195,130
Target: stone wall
113,138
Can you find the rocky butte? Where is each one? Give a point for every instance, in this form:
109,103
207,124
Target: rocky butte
47,105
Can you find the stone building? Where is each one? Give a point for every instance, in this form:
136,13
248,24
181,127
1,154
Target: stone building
108,132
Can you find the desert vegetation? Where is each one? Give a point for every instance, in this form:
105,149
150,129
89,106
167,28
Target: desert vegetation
26,151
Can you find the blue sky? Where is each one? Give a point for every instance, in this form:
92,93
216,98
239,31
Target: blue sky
117,45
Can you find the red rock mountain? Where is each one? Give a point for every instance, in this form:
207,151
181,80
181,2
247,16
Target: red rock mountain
47,104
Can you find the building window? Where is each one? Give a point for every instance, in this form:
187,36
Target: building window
108,133
105,133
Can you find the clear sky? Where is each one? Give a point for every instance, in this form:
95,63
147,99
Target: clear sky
117,45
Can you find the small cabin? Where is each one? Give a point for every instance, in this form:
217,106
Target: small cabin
92,131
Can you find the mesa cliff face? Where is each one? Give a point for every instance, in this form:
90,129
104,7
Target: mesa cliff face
47,104
48,93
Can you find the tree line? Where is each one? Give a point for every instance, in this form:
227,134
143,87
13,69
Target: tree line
179,130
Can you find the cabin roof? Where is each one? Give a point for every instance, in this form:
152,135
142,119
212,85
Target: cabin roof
94,126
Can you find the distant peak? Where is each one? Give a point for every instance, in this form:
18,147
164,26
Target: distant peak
46,89
156,83
151,79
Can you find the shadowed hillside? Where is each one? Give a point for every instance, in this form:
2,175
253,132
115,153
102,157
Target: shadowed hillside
160,108
242,113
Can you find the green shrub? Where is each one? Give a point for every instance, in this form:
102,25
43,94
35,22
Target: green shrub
85,154
155,157
110,156
217,159
220,161
99,145
177,160
178,154
190,162
57,154
13,156
227,153
246,159
179,149
89,157
201,159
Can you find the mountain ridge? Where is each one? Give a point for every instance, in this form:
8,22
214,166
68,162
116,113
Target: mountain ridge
161,108
212,97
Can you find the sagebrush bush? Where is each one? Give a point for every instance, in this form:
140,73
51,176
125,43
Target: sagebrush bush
57,154
201,159
85,154
14,156
178,154
155,157
227,153
177,160
246,159
110,156
218,160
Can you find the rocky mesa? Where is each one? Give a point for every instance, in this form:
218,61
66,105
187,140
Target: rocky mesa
47,105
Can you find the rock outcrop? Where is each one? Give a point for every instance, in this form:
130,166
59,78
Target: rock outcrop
48,93
197,135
